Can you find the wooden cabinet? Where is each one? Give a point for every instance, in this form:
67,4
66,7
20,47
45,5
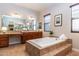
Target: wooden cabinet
31,35
24,36
4,41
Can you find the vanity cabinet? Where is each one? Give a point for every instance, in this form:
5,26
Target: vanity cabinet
4,41
24,36
31,35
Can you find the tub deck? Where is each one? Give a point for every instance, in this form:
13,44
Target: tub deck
59,49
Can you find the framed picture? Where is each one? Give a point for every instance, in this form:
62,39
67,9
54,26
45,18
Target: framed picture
58,20
40,25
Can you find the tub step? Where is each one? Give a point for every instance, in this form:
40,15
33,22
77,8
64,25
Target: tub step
61,51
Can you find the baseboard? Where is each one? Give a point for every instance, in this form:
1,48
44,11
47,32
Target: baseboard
75,49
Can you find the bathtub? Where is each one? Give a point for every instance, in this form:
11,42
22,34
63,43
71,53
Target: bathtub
45,42
42,46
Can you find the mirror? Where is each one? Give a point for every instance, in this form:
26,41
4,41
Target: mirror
14,23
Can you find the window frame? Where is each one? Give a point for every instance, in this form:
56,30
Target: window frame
47,23
73,19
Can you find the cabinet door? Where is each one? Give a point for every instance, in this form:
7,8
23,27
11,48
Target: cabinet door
31,35
4,42
40,35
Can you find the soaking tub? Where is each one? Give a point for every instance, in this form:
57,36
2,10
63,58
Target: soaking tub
42,46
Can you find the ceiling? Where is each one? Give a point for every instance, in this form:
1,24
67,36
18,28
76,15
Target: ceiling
36,6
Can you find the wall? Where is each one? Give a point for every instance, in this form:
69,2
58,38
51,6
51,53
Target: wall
66,22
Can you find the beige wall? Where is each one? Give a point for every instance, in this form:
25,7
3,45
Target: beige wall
0,21
66,22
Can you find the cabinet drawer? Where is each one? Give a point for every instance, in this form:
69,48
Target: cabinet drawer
3,36
1,39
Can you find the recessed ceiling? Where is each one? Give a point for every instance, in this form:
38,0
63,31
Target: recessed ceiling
36,6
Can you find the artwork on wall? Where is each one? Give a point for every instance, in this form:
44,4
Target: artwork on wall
40,25
58,20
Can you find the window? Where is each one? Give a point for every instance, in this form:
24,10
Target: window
75,18
47,21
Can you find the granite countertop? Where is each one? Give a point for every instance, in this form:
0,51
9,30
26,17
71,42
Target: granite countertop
10,32
15,32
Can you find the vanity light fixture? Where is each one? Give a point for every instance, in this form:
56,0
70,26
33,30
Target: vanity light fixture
4,29
16,15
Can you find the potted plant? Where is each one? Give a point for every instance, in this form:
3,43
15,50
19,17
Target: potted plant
51,33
